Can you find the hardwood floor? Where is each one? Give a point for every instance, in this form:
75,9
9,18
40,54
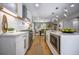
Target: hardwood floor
39,47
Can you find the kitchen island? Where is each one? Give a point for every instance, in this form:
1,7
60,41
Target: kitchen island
13,43
63,43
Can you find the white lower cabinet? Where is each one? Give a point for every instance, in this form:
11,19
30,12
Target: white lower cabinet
20,45
14,45
7,45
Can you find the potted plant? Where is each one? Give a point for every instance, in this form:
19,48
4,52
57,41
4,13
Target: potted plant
10,29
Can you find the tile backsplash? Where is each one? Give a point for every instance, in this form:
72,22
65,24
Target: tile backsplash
12,22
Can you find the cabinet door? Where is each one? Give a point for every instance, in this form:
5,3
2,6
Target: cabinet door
20,45
24,12
7,45
19,9
26,41
69,45
9,6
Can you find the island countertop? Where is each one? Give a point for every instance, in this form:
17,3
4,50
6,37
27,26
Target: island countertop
60,33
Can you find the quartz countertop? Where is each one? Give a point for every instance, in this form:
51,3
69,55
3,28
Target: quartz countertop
60,33
12,33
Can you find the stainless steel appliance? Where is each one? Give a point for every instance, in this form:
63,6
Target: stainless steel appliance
55,41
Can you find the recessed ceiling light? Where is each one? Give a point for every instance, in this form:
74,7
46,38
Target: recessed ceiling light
57,8
65,10
65,15
72,5
56,19
37,5
52,13
57,16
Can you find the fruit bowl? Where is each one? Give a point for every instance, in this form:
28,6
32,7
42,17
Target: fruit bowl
67,30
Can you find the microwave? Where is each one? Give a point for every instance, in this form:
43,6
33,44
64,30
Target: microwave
55,41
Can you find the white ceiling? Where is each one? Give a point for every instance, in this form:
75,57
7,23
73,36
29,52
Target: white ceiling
45,10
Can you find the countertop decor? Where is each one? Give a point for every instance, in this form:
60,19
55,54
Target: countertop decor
4,24
68,30
10,29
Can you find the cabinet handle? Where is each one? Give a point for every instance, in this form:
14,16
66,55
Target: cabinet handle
24,43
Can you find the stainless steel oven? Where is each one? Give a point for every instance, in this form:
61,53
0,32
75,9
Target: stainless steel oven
55,41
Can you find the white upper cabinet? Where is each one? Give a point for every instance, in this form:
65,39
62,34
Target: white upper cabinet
9,6
24,14
13,7
19,9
